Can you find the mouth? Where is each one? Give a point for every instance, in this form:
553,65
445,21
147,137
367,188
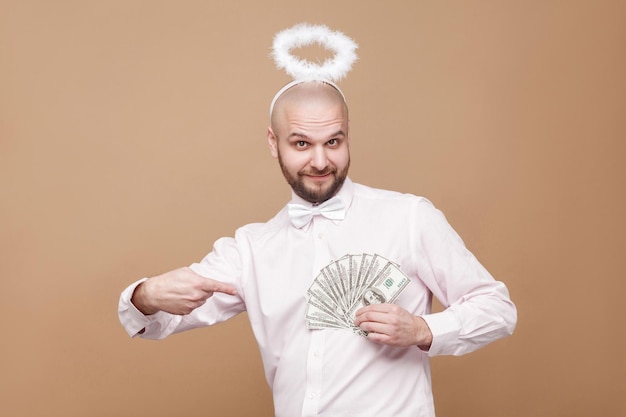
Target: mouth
314,173
320,177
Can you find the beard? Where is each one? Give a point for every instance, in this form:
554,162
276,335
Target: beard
315,195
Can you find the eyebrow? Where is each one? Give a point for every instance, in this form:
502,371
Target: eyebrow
303,136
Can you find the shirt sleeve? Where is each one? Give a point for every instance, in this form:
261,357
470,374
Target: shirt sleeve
222,264
133,320
478,309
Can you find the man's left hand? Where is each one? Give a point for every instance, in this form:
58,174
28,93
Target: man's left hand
390,324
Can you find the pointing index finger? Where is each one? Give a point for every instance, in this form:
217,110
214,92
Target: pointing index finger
211,285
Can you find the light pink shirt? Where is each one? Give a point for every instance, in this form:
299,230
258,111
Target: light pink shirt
336,372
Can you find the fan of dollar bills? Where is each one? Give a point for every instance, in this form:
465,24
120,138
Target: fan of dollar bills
349,283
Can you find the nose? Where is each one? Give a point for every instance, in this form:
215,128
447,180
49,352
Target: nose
319,159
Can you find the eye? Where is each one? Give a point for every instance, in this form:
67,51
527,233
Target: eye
301,144
333,142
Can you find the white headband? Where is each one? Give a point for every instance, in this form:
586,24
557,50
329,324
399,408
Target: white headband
329,72
296,82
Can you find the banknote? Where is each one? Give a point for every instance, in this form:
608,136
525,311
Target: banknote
349,283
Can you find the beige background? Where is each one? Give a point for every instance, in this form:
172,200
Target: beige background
132,135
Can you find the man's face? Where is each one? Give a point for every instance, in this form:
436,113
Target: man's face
310,139
371,297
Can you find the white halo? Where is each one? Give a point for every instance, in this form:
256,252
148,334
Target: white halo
333,69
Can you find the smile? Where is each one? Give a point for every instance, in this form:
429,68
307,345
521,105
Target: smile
320,177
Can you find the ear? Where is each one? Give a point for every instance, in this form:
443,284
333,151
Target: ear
272,141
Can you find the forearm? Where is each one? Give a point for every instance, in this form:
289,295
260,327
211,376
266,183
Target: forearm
136,323
471,324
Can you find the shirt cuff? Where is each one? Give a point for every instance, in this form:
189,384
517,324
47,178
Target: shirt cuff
131,318
445,329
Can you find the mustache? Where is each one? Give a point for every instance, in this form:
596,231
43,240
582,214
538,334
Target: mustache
314,171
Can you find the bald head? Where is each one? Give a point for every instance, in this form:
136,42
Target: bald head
309,137
306,98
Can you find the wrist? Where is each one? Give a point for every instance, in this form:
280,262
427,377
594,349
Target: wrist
424,337
140,300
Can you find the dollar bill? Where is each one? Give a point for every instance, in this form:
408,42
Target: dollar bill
385,288
349,283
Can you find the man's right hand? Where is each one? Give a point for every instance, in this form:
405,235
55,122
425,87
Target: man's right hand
177,292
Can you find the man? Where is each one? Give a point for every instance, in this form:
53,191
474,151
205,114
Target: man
267,268
373,296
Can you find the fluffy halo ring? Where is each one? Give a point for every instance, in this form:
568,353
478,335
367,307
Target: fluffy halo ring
333,69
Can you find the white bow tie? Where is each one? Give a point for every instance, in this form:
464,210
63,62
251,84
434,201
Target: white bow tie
332,209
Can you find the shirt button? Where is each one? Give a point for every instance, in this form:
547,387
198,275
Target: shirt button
320,235
312,395
316,353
